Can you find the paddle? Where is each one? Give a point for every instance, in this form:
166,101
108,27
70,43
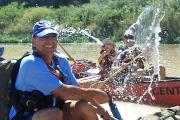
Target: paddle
114,108
70,57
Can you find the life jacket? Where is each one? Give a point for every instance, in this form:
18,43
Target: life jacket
33,101
106,62
123,54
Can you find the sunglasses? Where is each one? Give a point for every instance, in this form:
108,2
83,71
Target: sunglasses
51,35
129,37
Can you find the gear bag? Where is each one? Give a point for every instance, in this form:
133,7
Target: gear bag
8,70
12,91
6,67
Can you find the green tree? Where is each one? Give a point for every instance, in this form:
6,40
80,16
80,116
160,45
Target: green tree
30,16
9,14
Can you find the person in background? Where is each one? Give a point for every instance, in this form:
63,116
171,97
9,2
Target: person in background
107,57
45,81
125,50
129,57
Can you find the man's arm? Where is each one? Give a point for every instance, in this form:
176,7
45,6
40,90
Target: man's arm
69,92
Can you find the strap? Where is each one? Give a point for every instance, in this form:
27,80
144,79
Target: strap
62,75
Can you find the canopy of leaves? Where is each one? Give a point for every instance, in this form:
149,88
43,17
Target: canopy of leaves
105,18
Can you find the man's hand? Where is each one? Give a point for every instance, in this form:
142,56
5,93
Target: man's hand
101,111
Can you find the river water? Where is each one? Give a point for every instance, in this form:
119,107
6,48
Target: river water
169,54
169,57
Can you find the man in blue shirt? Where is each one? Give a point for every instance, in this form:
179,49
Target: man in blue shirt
40,72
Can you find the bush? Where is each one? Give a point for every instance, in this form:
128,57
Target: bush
14,38
9,15
108,18
30,16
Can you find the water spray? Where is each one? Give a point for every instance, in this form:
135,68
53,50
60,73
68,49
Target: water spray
84,32
146,31
72,31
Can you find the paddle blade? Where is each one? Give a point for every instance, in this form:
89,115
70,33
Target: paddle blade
98,85
115,111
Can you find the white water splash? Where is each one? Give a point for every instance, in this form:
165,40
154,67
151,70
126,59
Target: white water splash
70,31
84,32
146,31
152,18
148,91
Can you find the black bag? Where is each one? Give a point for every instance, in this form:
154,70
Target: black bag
13,93
8,68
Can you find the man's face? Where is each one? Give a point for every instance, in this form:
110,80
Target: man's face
129,40
46,45
108,46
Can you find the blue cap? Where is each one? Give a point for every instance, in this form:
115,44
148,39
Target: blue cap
42,28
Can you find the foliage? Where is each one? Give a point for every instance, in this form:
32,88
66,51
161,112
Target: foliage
30,16
13,38
9,14
108,18
170,23
54,3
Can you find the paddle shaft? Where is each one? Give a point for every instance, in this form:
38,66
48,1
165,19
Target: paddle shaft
114,108
120,69
70,57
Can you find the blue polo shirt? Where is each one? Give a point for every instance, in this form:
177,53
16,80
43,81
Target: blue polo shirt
34,74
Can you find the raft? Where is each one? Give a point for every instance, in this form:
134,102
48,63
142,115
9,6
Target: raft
161,93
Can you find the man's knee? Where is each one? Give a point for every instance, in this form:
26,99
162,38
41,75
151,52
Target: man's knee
84,107
48,114
80,110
